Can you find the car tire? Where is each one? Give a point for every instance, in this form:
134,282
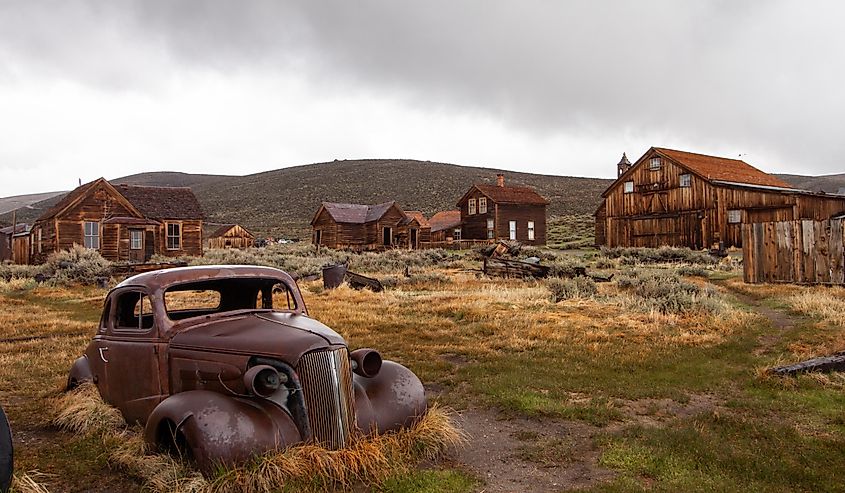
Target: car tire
6,453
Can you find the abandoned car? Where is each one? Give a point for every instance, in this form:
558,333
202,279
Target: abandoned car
222,363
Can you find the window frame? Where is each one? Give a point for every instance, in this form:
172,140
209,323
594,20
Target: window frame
86,235
167,235
482,205
132,239
512,230
734,216
491,228
113,324
655,163
531,230
625,186
471,207
685,180
456,234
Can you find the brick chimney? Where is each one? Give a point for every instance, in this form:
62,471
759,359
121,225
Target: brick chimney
500,180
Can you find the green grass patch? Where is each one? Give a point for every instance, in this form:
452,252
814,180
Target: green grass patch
431,481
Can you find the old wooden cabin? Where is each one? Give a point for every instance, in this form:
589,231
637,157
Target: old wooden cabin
445,226
231,236
14,243
125,223
500,212
367,227
678,198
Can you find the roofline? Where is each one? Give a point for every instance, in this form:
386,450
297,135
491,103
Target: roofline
796,191
78,199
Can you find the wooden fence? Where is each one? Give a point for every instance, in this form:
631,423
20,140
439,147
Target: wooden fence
805,252
456,244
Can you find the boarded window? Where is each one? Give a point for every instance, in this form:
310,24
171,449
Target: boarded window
654,164
136,239
92,235
628,187
456,234
686,180
471,206
174,236
734,216
530,230
512,229
482,205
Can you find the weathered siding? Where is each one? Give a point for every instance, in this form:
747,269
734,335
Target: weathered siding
474,226
234,237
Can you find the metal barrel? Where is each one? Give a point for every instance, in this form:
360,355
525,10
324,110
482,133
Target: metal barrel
333,275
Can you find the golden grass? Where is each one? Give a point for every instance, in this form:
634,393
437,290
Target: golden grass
369,460
17,284
28,483
825,303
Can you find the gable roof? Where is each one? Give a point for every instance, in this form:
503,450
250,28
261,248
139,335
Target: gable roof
507,194
355,213
714,168
163,202
19,228
79,193
223,229
418,216
445,220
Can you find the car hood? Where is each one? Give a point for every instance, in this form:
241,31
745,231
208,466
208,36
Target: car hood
285,336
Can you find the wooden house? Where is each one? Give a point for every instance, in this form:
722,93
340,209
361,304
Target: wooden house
499,212
7,243
678,198
231,236
125,223
359,227
414,230
445,226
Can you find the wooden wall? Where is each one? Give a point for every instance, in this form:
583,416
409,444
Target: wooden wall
802,251
191,239
474,227
234,237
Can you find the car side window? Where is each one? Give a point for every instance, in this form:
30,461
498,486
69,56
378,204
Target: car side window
275,297
133,312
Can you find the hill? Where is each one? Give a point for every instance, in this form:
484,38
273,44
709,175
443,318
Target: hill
8,204
824,183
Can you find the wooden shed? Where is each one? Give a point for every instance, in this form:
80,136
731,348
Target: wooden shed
125,223
231,236
500,212
359,227
414,230
445,226
679,198
6,241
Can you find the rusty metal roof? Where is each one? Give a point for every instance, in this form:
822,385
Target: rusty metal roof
445,220
357,213
419,216
163,202
722,169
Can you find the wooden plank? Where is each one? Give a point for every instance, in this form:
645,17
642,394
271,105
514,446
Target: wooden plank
797,247
837,252
759,252
821,235
807,251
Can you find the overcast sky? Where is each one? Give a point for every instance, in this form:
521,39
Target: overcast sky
111,88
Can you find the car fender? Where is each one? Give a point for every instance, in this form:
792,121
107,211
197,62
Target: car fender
79,372
218,429
393,399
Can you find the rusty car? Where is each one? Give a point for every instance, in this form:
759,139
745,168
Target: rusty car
222,363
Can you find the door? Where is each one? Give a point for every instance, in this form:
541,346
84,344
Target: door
136,245
414,243
129,351
387,236
149,245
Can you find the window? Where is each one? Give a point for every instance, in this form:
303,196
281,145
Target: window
512,227
491,233
471,206
174,236
482,205
456,234
136,239
318,237
654,164
134,311
734,216
39,238
628,187
686,180
530,230
197,300
92,235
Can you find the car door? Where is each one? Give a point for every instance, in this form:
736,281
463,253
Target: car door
129,352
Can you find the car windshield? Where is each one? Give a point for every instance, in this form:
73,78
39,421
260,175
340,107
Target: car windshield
200,298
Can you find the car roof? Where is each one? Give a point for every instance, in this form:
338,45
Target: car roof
164,278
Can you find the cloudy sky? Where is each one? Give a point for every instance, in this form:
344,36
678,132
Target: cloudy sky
113,87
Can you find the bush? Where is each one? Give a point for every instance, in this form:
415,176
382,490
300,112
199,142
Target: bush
77,265
17,284
662,255
423,278
9,271
667,293
564,268
567,289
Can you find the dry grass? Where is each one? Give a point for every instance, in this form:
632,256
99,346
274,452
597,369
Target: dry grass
827,304
369,460
28,482
17,284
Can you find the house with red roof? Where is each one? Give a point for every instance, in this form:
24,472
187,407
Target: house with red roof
503,212
679,198
361,227
125,223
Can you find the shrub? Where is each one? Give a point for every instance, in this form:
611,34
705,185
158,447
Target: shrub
564,268
9,271
662,255
567,289
667,293
422,278
17,284
77,265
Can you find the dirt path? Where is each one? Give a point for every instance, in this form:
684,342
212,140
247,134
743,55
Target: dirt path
780,321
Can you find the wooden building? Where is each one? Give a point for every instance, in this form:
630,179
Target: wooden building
414,231
7,243
366,227
125,223
231,236
678,198
500,212
445,226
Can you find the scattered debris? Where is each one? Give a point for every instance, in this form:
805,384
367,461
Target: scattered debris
334,275
357,281
513,268
821,364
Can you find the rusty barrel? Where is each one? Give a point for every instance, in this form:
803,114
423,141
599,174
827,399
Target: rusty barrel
333,275
6,454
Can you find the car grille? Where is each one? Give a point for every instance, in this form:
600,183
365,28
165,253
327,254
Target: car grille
326,378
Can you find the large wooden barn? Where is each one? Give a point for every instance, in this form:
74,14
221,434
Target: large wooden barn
678,198
125,223
368,227
499,212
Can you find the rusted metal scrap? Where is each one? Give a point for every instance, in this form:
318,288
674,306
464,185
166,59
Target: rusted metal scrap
334,275
7,455
221,363
822,364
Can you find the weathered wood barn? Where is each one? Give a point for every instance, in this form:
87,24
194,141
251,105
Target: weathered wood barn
231,236
445,226
125,223
367,227
678,198
500,212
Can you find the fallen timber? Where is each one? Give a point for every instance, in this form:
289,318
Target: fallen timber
821,364
513,268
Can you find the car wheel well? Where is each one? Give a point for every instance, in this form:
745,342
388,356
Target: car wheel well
172,440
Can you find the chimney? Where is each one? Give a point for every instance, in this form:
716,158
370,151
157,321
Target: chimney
623,166
500,180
